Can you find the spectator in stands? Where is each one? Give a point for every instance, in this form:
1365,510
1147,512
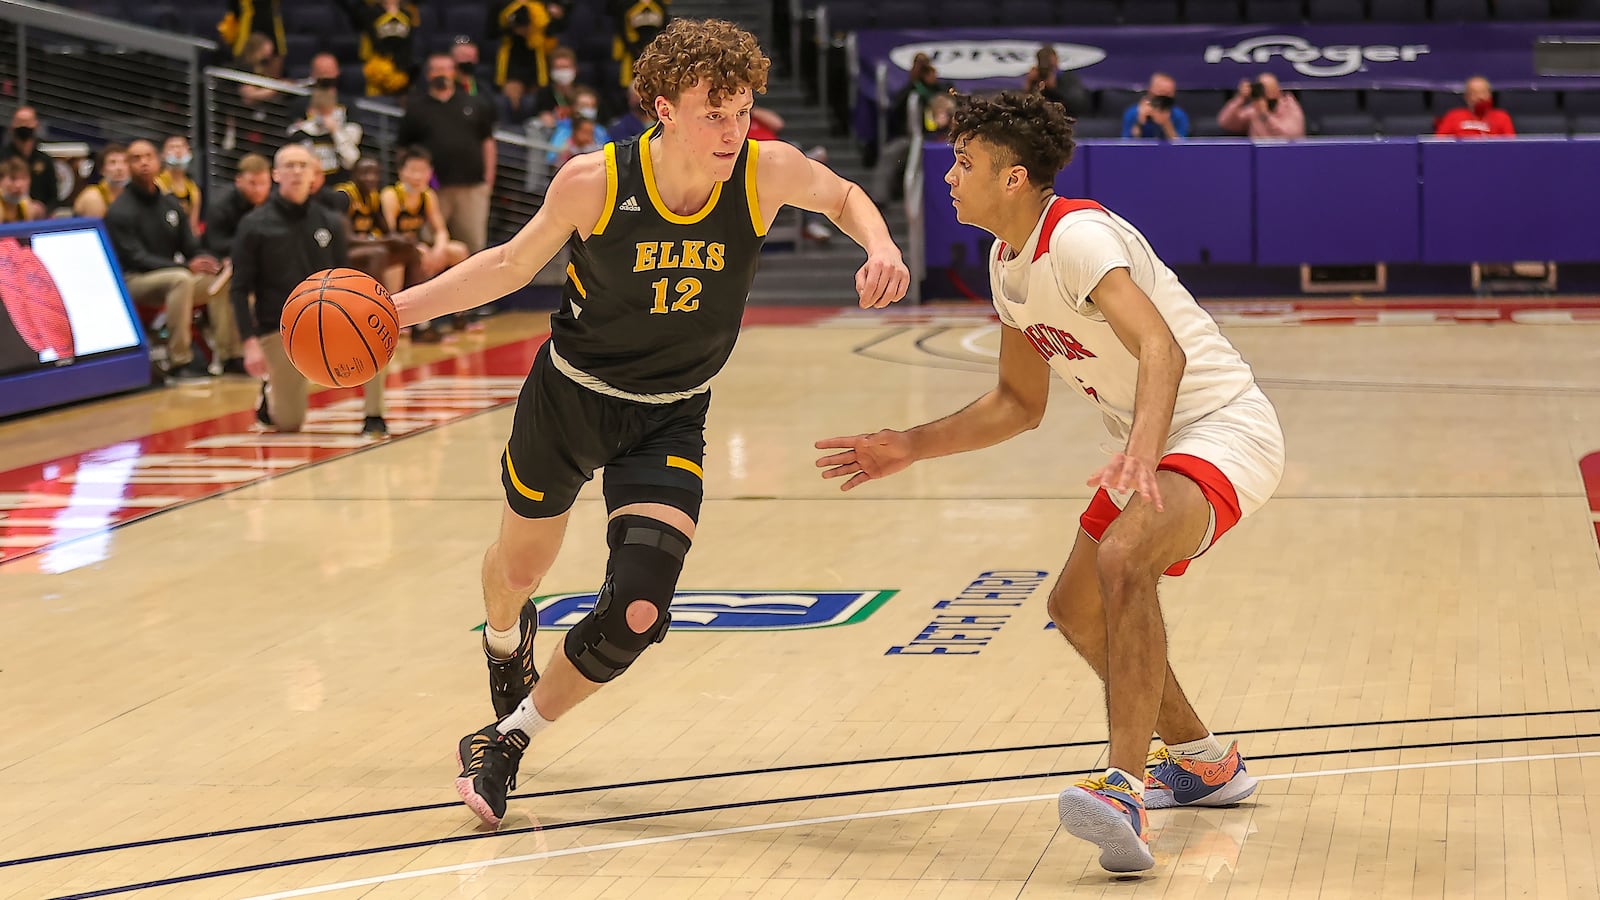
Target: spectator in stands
388,30
1157,114
176,158
458,132
638,23
465,53
15,204
23,142
585,108
392,260
553,102
162,263
583,139
247,18
925,85
251,186
1478,117
634,121
93,201
328,131
279,243
1262,109
528,32
262,59
1047,80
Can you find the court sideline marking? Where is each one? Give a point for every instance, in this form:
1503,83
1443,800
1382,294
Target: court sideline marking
853,817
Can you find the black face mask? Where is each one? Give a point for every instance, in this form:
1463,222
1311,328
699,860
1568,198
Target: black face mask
439,82
326,84
23,133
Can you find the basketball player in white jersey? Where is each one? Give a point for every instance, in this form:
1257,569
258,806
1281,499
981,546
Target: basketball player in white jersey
1079,290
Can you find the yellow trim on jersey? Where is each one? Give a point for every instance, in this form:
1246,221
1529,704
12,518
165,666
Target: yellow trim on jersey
572,272
678,462
756,221
516,482
611,189
655,197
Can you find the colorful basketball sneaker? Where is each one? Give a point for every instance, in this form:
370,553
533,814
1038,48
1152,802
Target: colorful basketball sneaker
1107,813
512,679
1173,780
489,761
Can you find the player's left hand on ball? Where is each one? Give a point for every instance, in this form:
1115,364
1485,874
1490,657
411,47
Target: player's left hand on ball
883,280
1126,472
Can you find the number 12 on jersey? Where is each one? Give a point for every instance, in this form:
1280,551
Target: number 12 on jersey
688,299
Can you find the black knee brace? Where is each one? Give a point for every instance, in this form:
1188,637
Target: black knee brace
646,558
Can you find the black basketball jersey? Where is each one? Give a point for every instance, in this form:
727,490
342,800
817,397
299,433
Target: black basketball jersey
654,300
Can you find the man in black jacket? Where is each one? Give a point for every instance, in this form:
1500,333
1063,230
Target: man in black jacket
251,186
280,243
23,143
162,263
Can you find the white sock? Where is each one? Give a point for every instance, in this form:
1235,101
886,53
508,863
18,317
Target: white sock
1136,781
1207,749
524,718
502,644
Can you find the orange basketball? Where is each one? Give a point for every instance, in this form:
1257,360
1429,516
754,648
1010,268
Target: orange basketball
339,327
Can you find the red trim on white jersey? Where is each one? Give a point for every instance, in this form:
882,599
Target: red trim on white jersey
1214,485
1058,210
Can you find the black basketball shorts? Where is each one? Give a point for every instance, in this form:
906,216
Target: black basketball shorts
563,432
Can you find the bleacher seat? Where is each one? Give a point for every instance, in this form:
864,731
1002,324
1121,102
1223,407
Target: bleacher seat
1151,12
848,17
1460,10
1396,103
1582,102
1207,126
1089,12
1400,11
157,16
1540,123
1020,12
1407,124
1522,10
1351,124
301,48
1220,12
1202,103
1586,124
1114,102
1520,101
319,21
1327,103
1097,128
1337,10
1274,11
466,18
352,83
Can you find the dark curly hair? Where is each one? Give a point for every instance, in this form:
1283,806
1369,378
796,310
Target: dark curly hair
1030,131
688,50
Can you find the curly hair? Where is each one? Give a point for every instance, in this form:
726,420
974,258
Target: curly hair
1031,132
687,51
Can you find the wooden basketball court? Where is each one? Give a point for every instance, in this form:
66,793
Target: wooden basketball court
234,665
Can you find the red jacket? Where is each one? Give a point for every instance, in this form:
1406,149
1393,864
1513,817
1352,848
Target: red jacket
1464,123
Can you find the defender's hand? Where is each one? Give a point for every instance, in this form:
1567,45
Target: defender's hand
882,280
866,457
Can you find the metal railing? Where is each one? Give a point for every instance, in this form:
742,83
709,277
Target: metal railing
250,114
912,182
95,80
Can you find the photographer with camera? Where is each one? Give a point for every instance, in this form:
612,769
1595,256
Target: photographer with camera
1156,115
1262,109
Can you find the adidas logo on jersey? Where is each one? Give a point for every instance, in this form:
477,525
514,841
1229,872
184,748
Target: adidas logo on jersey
630,205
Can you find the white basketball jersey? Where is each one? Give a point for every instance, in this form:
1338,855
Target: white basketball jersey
1043,288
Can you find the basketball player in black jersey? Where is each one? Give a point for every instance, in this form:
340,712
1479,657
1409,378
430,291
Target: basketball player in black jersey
665,233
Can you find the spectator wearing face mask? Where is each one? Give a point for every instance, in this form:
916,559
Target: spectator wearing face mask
93,201
23,143
465,53
1261,109
554,101
585,108
326,127
458,132
1479,117
174,178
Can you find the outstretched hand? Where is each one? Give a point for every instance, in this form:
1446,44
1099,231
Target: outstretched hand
1126,472
866,457
882,280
